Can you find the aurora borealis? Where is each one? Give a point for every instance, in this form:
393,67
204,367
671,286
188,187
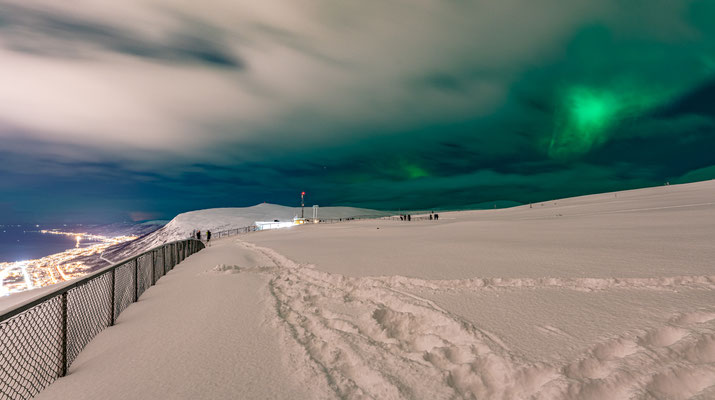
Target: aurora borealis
149,108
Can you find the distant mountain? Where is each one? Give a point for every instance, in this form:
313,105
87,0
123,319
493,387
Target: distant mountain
126,228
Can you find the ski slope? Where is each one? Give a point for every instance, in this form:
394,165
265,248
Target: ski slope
610,296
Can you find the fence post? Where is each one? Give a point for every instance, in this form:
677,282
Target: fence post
111,319
153,267
63,303
136,280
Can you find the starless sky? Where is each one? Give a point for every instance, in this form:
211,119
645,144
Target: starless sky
145,108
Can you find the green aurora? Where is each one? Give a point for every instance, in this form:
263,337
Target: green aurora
374,104
589,114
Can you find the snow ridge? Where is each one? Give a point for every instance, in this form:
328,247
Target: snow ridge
705,282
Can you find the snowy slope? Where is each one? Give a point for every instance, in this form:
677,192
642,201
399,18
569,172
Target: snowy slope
609,296
220,219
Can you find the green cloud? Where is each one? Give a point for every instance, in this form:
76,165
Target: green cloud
413,171
588,114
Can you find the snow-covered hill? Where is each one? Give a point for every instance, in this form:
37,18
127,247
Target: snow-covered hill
221,219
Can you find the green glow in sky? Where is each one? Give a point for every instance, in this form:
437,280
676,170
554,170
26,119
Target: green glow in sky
414,171
398,169
587,116
593,112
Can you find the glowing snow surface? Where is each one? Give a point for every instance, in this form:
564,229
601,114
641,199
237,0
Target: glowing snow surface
598,297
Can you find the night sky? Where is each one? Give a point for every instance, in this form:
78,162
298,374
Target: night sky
141,109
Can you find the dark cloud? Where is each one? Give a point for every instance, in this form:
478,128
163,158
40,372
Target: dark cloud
47,32
700,101
149,108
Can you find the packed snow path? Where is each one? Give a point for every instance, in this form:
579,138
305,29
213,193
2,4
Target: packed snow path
602,297
195,334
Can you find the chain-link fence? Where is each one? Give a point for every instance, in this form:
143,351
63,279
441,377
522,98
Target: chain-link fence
235,231
412,217
39,340
253,228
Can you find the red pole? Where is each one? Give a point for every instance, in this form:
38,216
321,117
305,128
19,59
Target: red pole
302,205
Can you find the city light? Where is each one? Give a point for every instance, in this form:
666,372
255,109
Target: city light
29,274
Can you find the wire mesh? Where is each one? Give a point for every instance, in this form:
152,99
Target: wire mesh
30,350
145,271
167,259
158,263
123,287
88,313
40,340
172,257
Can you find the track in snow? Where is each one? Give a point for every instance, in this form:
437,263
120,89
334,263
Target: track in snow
370,338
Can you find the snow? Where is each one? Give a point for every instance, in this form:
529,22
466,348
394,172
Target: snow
219,219
196,334
222,219
15,299
605,296
216,220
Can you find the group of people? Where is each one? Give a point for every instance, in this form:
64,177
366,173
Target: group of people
408,217
197,235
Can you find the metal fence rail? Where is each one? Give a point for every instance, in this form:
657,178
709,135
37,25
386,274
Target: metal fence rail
39,340
254,228
235,231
